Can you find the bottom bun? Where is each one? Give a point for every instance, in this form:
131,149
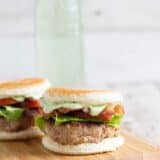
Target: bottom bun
106,145
25,134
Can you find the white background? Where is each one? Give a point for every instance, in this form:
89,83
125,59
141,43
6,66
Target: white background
122,40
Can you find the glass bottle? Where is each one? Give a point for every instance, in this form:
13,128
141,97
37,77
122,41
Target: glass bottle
59,53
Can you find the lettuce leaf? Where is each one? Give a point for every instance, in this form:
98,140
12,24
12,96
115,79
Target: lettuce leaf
63,119
40,122
11,113
116,120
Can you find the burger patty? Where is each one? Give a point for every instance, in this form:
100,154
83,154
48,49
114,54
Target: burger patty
76,133
26,121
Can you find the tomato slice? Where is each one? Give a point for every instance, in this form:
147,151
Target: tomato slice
106,115
7,101
31,103
28,103
118,109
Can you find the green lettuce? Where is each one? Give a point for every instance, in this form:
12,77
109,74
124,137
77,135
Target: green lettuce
63,119
40,122
11,113
115,121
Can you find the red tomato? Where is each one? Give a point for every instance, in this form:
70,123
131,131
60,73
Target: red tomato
7,101
31,103
106,115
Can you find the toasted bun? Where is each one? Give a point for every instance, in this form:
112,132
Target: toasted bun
83,95
108,144
25,134
29,87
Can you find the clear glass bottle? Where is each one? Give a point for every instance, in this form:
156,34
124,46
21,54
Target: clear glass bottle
59,53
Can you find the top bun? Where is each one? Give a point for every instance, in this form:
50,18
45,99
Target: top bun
87,96
29,87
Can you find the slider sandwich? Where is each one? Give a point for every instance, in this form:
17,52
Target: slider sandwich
19,104
80,121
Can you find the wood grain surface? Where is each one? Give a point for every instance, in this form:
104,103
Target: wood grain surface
134,148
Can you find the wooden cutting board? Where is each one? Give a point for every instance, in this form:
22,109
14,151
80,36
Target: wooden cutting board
133,149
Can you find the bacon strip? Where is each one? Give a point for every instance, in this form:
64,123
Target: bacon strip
106,115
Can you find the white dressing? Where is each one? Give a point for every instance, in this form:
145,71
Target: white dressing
94,110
